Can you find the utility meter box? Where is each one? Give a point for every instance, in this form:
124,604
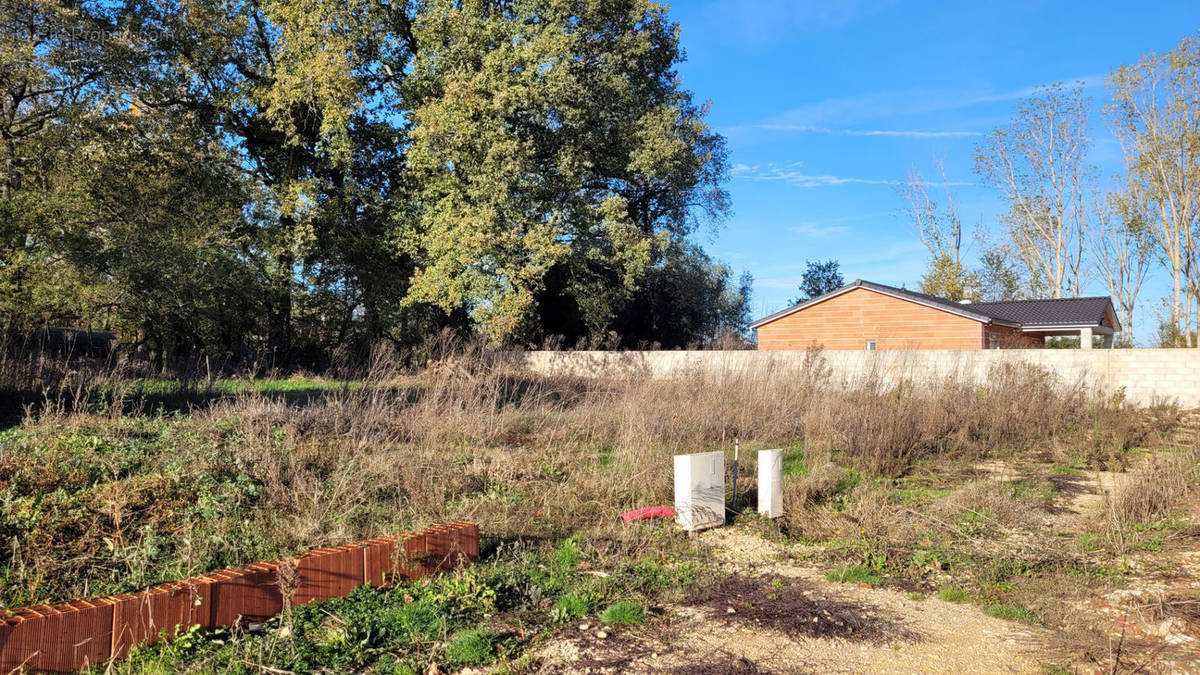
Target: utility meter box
700,490
770,483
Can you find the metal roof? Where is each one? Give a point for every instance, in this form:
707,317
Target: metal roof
1051,312
1015,313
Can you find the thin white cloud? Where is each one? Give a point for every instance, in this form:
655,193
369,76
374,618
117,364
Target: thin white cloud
901,133
790,174
816,117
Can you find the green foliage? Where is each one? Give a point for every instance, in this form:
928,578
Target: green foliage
471,648
539,131
568,607
624,614
947,278
857,574
1011,613
283,184
998,277
819,278
954,594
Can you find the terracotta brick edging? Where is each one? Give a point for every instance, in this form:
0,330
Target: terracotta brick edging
83,633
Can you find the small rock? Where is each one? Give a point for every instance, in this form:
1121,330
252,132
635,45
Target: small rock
601,634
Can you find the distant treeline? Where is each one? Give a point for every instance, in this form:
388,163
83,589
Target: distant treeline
285,182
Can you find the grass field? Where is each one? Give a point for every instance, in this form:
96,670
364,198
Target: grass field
117,484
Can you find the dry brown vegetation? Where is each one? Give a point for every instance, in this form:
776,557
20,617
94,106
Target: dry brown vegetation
470,437
111,483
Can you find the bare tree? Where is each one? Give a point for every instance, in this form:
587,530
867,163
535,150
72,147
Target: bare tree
1122,248
1038,162
1155,115
941,231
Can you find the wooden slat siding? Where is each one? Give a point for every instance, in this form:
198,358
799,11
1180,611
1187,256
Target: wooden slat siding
847,321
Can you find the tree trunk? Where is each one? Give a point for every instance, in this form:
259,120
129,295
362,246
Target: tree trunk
279,311
7,167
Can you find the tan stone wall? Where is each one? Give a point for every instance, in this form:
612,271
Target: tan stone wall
848,320
1145,375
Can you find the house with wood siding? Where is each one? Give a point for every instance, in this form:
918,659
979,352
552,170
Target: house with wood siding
865,315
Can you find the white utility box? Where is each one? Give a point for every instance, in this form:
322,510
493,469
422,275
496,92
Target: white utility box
770,483
700,490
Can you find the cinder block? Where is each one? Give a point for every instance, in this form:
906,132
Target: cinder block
24,638
415,562
258,591
379,561
466,543
328,573
438,542
59,638
351,568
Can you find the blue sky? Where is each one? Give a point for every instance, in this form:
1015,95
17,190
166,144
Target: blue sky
827,105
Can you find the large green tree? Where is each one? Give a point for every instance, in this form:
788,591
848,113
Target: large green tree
292,86
290,181
550,140
53,59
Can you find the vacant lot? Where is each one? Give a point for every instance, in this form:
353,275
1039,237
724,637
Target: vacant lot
1028,522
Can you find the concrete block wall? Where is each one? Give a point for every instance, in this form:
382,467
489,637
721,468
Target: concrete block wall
1144,375
81,633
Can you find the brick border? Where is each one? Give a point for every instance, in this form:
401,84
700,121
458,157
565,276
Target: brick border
83,633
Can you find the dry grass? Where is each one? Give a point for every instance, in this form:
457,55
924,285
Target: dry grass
1151,490
123,496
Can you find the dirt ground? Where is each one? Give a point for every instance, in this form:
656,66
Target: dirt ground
778,613
814,626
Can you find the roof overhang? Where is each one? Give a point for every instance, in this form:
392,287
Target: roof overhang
964,312
1097,329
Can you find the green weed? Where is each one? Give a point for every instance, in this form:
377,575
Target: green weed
568,607
1011,613
856,574
954,594
624,614
473,647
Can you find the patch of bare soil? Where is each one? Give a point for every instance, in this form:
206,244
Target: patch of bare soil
798,609
787,618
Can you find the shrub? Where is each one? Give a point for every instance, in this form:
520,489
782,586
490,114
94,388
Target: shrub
1153,489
